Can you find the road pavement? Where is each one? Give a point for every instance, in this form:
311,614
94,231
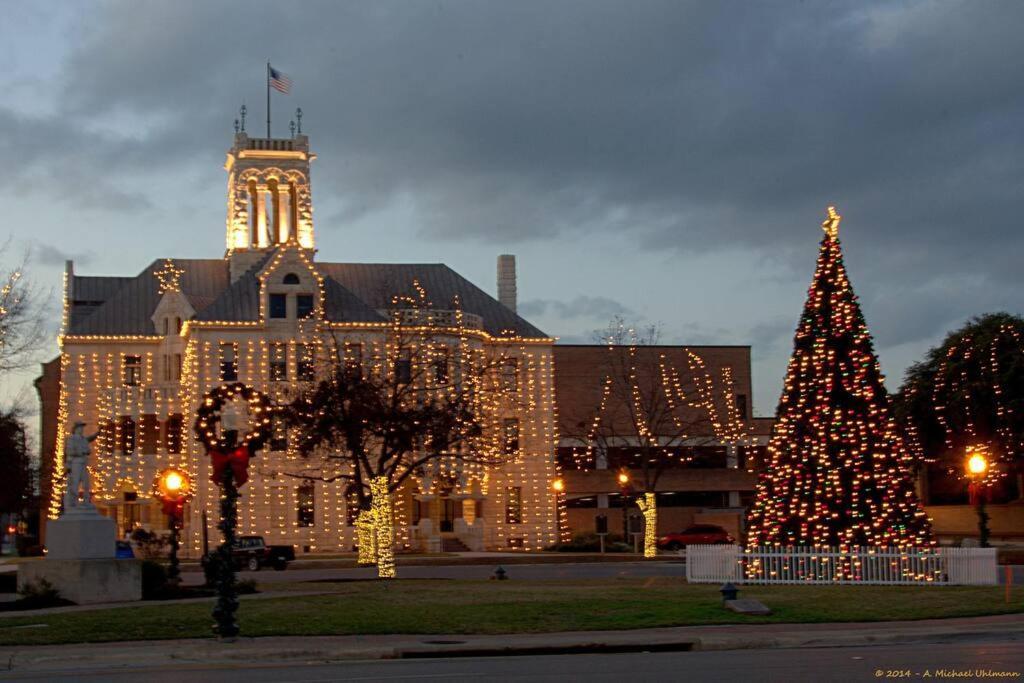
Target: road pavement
981,660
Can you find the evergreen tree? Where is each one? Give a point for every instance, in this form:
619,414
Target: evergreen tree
838,472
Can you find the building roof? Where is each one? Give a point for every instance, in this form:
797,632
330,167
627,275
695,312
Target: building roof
354,292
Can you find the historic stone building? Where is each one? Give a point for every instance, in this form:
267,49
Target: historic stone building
138,353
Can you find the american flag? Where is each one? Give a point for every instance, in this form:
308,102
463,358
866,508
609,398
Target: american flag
279,81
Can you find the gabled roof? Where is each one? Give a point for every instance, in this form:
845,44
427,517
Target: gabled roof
354,292
341,305
376,283
129,302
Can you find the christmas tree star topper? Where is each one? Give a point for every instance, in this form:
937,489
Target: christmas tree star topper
831,224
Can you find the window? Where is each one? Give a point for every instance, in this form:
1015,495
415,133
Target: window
741,405
127,435
132,370
228,362
278,435
441,366
167,326
510,374
167,367
305,502
172,435
177,366
511,434
305,362
304,306
278,306
177,325
513,505
354,357
351,509
290,279
403,369
278,362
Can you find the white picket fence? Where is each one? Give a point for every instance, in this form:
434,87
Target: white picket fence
853,566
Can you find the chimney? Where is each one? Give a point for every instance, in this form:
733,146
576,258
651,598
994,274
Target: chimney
507,281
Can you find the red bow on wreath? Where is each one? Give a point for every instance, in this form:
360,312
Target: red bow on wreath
976,491
237,460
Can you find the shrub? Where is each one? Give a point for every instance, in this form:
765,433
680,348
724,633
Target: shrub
154,580
591,543
151,545
40,594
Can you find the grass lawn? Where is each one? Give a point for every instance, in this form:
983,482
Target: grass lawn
439,606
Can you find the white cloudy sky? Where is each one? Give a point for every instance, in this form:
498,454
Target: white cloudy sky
667,161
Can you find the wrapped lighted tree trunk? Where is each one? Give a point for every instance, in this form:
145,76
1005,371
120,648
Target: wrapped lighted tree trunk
366,538
838,472
384,527
648,505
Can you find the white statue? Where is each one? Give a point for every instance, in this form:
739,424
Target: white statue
76,456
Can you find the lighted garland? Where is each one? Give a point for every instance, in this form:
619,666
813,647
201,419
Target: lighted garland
208,417
839,472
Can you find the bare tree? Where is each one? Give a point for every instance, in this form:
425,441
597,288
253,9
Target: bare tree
21,320
651,415
422,403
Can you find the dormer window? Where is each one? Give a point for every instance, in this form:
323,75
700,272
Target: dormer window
279,306
290,279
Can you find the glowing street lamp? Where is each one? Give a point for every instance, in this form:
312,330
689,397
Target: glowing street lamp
976,466
174,488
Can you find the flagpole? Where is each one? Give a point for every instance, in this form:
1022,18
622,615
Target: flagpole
268,99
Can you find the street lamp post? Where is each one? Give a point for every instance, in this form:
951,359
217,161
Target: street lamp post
977,471
174,488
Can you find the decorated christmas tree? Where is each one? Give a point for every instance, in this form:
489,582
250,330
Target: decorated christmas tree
838,472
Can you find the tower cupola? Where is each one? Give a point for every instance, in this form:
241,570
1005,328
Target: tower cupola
269,201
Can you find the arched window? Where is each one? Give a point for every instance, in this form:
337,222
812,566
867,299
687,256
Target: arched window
177,325
290,279
167,326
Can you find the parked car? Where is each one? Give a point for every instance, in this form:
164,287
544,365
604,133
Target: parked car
253,553
698,534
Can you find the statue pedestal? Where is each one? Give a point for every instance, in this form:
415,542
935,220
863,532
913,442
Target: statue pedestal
81,533
80,560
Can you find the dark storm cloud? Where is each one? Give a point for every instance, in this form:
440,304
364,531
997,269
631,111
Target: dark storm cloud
687,127
48,255
588,307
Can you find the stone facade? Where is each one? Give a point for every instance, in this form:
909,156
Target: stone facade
139,353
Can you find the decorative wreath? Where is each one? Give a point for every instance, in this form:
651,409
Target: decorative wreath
261,410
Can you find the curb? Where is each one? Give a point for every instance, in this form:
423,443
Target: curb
142,655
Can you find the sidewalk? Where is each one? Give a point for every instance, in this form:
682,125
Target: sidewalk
182,653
